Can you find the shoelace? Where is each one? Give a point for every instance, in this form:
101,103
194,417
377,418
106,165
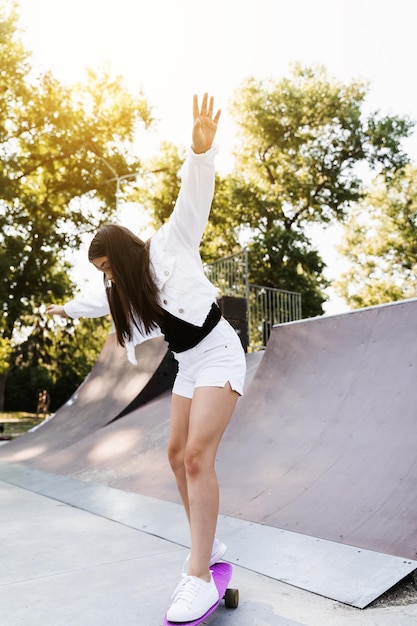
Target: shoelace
187,590
178,587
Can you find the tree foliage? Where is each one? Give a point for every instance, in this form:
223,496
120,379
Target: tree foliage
380,244
304,143
161,183
62,149
57,356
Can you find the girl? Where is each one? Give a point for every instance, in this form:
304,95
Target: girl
160,287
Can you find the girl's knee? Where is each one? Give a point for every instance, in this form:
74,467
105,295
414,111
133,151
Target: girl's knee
196,462
176,457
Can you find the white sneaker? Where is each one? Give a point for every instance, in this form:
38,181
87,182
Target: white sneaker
217,553
192,598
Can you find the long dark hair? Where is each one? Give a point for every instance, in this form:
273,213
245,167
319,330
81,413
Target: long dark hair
132,295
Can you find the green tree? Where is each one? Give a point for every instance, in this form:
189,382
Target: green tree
161,183
304,141
6,352
380,244
62,150
57,355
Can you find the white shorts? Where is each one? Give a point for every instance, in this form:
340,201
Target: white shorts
219,358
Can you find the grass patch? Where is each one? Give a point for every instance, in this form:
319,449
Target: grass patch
16,423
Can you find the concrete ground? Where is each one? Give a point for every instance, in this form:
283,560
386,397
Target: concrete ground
92,564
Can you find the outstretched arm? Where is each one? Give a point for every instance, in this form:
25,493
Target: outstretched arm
205,125
94,305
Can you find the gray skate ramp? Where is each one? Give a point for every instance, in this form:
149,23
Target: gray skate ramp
319,458
113,386
129,453
323,443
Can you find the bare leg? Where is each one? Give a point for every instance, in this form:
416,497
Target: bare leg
179,423
194,440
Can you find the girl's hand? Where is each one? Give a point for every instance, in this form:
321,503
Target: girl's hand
55,309
205,125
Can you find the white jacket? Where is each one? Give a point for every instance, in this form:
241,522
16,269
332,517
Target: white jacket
183,287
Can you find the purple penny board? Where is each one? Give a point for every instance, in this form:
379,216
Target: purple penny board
222,573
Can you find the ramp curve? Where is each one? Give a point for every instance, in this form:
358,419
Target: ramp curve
321,446
112,386
322,443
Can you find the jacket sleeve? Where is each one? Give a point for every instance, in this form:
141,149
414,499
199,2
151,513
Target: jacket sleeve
192,208
95,305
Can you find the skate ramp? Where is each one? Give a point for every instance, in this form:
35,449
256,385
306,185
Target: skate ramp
321,450
113,386
322,443
129,453
318,460
325,442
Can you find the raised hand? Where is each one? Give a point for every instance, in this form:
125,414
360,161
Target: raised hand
205,125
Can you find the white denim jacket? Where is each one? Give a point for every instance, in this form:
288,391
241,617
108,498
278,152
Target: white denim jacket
184,290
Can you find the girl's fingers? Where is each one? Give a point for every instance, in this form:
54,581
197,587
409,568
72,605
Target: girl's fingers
210,107
195,106
207,106
204,104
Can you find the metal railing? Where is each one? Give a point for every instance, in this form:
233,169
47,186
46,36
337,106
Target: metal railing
265,306
230,274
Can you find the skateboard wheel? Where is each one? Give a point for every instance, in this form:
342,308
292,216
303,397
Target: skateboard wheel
231,598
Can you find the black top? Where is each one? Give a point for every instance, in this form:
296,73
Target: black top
182,335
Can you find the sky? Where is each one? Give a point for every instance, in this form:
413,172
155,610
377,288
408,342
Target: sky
172,49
